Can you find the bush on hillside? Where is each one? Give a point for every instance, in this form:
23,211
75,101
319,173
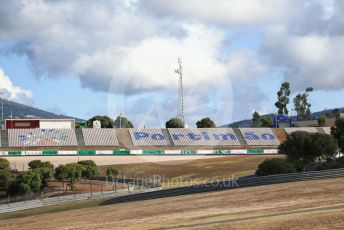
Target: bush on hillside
275,166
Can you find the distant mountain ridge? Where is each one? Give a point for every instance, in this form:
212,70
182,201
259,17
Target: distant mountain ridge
17,110
248,122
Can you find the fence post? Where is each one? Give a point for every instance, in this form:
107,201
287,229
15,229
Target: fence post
116,184
8,199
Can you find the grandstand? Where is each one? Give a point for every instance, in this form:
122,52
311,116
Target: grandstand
100,137
145,141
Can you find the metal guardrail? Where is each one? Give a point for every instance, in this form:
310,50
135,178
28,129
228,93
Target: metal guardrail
39,203
240,183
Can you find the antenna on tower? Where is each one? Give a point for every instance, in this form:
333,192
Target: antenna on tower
179,71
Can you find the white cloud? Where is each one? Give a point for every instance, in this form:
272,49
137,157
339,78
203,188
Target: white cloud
226,12
130,48
308,60
11,91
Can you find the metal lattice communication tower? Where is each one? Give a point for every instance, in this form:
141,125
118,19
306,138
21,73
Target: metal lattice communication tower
179,71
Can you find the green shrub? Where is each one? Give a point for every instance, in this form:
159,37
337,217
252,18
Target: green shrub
275,166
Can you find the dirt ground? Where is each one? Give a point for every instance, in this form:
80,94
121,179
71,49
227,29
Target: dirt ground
299,205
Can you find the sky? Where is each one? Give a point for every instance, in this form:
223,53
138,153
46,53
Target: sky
83,58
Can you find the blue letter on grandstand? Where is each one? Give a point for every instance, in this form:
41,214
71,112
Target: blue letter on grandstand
225,137
177,136
206,136
251,136
194,137
268,136
157,136
140,135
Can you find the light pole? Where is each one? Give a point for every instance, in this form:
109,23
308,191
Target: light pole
120,120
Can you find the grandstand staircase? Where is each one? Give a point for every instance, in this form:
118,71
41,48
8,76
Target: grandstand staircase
168,137
320,130
240,137
4,138
79,137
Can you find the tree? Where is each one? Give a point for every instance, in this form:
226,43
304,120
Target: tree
123,122
266,121
90,169
324,144
40,164
5,175
255,119
275,166
5,179
302,107
4,164
283,98
73,173
61,174
106,122
175,123
111,172
322,121
45,168
338,133
303,148
26,183
205,123
336,113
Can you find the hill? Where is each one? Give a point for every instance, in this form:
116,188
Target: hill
248,122
17,110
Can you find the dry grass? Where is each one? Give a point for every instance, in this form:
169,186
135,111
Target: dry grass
181,173
203,209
